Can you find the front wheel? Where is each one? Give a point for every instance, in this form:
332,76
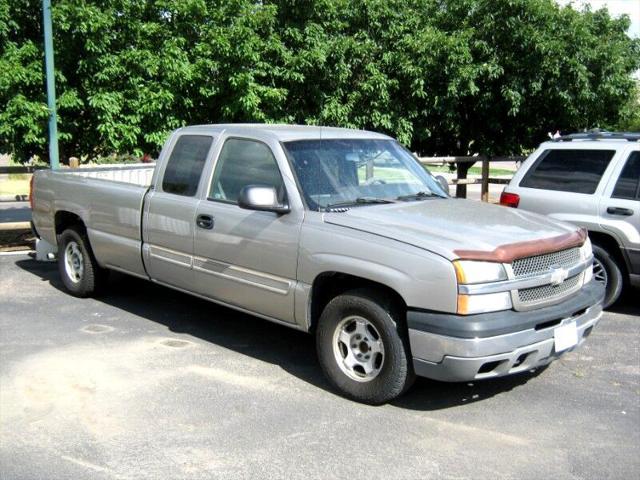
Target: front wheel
78,268
362,347
607,271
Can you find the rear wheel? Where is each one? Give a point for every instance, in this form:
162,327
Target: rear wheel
607,271
78,268
362,347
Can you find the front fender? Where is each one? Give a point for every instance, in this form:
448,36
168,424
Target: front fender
423,279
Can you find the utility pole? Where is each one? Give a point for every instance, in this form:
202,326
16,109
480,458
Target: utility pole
51,85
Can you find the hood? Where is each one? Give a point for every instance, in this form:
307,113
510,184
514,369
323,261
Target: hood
456,228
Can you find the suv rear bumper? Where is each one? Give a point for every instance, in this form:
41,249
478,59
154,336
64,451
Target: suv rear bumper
460,357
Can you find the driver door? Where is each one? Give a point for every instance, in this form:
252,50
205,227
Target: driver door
247,258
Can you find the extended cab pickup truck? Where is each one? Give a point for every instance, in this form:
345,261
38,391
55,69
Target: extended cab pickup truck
337,232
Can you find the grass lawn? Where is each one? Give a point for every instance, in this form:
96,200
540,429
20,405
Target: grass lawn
399,175
14,184
493,172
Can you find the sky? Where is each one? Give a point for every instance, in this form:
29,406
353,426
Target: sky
616,8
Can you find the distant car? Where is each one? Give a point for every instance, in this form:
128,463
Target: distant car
591,180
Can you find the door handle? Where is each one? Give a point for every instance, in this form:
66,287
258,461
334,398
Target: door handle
205,221
625,212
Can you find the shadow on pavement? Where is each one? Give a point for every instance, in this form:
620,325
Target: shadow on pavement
15,214
629,304
292,350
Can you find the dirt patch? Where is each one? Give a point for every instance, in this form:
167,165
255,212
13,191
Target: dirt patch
175,343
97,328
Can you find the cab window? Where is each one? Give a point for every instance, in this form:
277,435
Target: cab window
241,163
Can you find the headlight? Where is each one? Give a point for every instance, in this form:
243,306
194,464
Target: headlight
468,271
471,272
586,251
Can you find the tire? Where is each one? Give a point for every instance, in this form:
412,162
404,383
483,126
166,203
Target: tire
359,323
606,269
78,268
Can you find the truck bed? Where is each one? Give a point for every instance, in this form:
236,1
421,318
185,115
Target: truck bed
109,199
137,174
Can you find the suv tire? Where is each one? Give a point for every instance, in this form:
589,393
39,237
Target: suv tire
607,269
78,268
363,348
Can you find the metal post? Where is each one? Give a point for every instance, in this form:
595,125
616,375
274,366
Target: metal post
51,86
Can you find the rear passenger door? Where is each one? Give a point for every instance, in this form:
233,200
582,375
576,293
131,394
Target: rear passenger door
170,219
243,257
620,207
564,183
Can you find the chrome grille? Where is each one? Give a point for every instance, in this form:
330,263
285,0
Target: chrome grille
547,292
542,263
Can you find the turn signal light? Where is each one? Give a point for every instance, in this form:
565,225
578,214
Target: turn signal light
509,199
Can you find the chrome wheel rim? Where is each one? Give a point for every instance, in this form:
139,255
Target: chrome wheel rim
73,262
599,272
358,349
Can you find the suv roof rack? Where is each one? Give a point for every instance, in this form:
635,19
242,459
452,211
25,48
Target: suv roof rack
600,135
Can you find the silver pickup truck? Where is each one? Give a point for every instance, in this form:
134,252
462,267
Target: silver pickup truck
337,232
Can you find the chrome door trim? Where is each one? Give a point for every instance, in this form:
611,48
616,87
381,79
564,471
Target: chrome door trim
277,285
163,254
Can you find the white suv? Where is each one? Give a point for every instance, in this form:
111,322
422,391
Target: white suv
591,180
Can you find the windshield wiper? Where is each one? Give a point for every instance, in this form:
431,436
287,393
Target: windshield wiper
359,201
418,196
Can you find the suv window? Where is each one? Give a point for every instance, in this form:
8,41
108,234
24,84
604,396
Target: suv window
577,171
628,185
185,165
242,163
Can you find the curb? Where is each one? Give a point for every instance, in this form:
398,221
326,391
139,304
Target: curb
9,226
14,198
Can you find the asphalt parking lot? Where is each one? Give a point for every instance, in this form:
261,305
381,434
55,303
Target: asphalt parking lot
15,212
145,382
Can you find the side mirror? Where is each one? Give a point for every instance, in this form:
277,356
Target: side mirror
264,199
443,183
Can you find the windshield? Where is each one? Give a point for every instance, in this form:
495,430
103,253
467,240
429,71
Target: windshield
337,172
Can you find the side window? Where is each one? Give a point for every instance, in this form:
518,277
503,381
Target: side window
577,171
628,185
185,165
242,163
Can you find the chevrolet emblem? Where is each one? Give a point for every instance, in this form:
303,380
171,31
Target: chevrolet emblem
558,275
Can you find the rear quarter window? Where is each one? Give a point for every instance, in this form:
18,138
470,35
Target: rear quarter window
577,171
628,185
185,165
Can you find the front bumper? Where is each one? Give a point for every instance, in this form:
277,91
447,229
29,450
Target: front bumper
526,339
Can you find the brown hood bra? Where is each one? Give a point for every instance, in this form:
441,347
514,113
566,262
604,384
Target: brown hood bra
513,251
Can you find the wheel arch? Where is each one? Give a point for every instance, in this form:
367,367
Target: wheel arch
611,245
327,285
64,219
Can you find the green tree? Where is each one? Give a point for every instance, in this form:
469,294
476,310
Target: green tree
444,76
630,113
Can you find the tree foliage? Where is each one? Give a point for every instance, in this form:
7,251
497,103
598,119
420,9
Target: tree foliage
443,76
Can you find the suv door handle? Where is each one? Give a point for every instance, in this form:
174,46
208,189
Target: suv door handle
205,221
626,212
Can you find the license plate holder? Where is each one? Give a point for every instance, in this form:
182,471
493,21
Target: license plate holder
565,336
